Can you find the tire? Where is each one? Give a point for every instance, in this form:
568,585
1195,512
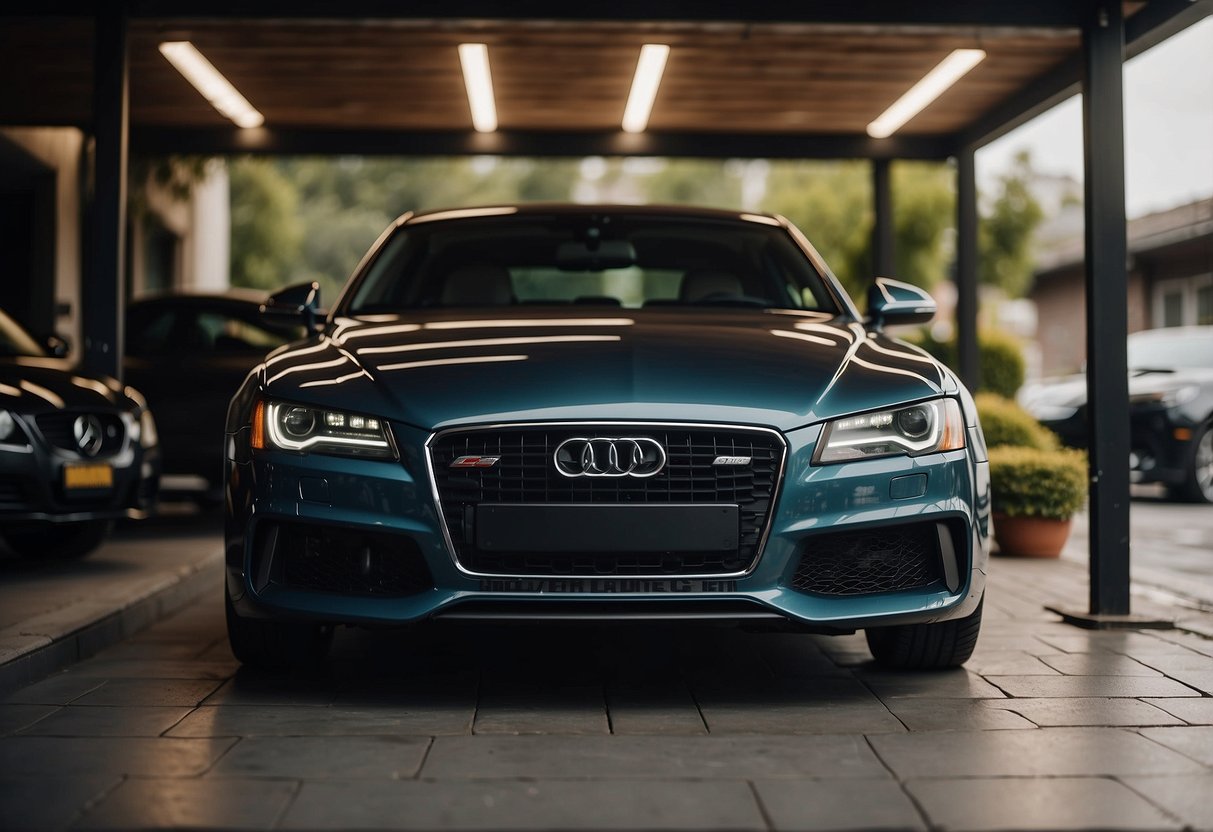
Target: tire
63,541
1197,486
266,644
936,646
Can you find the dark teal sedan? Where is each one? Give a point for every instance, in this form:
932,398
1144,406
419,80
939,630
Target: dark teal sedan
604,413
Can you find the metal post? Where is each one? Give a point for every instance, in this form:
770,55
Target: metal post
101,290
966,268
1106,308
883,254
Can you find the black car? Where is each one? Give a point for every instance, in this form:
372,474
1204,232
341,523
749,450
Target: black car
1170,409
188,354
76,450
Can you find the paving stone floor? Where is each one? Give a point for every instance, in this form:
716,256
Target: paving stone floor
634,727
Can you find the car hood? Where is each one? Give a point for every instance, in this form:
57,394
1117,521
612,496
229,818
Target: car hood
752,367
1071,391
37,385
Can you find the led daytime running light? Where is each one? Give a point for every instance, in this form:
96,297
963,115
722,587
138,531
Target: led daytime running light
321,434
884,433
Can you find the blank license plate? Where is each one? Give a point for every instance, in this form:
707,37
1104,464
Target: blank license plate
647,527
88,476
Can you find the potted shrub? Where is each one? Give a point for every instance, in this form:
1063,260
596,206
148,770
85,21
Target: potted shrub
1035,495
1005,423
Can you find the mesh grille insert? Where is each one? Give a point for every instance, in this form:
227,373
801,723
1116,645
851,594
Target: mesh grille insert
870,561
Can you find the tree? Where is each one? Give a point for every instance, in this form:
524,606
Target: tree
266,230
832,203
313,218
701,182
924,215
1006,229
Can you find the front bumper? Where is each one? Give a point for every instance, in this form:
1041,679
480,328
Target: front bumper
275,493
33,487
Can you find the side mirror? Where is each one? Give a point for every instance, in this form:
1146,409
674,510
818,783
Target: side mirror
299,301
893,303
57,345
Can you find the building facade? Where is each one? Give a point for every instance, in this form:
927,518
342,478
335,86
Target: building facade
1170,282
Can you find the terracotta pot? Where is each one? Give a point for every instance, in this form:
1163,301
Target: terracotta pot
1030,537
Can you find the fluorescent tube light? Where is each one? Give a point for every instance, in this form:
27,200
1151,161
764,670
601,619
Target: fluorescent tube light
474,57
644,86
210,82
950,70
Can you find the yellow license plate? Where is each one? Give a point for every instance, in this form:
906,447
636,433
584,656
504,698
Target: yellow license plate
88,476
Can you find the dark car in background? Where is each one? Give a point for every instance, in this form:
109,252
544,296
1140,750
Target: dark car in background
1170,409
188,354
77,450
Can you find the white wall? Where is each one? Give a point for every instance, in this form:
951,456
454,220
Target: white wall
61,148
202,223
207,246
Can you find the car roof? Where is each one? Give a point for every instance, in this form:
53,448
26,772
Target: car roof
234,296
1169,332
578,209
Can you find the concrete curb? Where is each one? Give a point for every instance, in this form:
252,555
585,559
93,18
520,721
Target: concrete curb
49,653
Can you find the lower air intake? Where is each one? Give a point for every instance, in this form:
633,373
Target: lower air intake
870,561
327,559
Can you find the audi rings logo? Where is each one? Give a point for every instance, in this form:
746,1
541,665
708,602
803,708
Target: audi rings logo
625,456
87,431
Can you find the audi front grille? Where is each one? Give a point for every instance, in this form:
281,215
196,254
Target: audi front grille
512,472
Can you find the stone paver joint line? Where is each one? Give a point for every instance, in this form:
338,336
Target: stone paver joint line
1049,727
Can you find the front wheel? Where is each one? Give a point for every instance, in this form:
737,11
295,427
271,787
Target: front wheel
275,645
1197,485
65,541
935,646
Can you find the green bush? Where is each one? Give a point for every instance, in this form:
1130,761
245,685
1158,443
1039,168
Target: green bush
999,357
1005,423
1027,482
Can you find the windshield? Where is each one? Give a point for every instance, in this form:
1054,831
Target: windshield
16,341
1156,350
625,260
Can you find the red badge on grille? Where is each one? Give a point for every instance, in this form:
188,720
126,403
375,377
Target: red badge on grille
475,462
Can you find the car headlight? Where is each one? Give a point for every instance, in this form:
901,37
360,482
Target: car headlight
296,427
917,429
1174,397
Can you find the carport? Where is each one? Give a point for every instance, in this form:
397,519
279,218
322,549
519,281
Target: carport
774,81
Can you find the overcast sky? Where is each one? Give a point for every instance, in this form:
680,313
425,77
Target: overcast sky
1168,127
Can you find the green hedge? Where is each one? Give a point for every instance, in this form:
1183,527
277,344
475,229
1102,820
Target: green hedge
1027,482
1005,423
999,357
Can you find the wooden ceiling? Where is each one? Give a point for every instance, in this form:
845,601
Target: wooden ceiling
567,76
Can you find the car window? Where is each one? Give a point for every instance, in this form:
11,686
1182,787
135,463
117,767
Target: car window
149,331
16,341
1161,350
224,333
624,260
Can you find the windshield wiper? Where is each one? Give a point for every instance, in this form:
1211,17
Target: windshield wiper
1145,371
